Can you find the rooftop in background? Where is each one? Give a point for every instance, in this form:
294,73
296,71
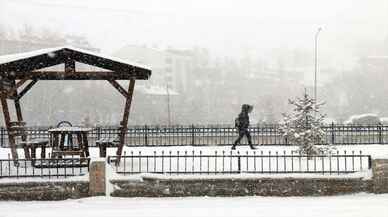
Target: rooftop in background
25,65
156,90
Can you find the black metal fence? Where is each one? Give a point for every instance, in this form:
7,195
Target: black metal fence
210,135
236,162
44,168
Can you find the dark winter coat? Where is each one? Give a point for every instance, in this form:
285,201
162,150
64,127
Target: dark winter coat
243,117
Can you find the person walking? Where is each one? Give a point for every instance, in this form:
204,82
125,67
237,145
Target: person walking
242,124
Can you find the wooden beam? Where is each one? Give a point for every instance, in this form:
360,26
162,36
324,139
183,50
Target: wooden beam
69,66
124,122
7,120
21,82
26,89
119,88
78,75
11,91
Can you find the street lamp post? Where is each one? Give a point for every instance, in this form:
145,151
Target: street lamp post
316,64
315,76
168,105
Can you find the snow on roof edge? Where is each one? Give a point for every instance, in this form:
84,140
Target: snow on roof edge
24,55
13,57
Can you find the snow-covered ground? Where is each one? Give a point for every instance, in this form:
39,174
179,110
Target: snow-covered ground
357,205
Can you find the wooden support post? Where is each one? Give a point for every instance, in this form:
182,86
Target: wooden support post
19,115
118,87
7,120
124,122
26,89
85,144
18,110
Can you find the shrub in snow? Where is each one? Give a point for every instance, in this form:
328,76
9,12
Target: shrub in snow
304,128
384,120
363,119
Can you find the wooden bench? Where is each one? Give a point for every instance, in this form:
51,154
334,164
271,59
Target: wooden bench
29,145
104,143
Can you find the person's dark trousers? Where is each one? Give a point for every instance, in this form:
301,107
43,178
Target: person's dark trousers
241,134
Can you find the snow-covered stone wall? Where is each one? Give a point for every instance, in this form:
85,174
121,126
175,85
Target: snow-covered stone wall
44,190
155,187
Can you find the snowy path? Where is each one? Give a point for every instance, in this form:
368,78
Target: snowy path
359,205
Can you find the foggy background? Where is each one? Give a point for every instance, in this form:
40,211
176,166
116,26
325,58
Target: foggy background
208,57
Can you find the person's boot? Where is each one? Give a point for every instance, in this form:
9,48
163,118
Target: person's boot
234,147
252,147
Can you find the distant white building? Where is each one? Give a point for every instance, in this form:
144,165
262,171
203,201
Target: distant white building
169,67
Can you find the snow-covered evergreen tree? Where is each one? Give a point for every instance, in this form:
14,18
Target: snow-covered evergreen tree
303,127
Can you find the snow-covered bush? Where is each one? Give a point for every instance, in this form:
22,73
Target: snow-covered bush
384,120
303,127
363,119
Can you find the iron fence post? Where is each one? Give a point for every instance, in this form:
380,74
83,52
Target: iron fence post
146,135
98,133
2,136
192,134
239,164
332,133
380,133
369,162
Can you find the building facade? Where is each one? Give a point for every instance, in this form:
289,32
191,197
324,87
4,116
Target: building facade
170,68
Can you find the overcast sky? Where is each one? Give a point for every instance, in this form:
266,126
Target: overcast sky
224,26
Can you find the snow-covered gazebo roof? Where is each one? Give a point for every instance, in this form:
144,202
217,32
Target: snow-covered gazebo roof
30,64
17,69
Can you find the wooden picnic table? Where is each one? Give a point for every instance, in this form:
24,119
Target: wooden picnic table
69,141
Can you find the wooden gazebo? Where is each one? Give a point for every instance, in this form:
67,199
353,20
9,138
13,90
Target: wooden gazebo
17,69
